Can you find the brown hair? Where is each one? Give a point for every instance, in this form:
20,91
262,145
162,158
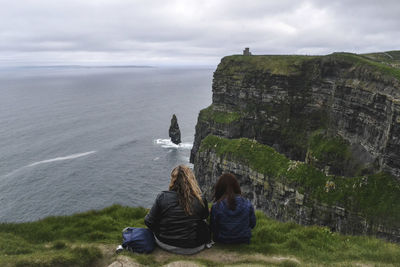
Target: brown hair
184,183
227,187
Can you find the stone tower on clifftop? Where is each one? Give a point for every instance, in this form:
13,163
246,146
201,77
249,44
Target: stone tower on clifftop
246,52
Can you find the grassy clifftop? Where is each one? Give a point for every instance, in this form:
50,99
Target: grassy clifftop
276,64
89,239
387,63
208,114
376,196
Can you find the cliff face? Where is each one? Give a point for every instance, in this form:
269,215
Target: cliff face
281,101
290,190
339,114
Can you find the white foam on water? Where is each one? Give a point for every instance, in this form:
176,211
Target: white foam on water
73,156
167,143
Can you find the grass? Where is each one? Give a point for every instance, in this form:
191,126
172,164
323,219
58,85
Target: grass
375,196
316,244
64,240
209,114
329,149
275,64
73,241
391,58
359,60
334,151
238,65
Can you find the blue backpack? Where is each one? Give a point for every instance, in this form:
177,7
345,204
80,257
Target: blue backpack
138,240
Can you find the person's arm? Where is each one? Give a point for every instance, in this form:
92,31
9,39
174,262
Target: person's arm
252,217
205,212
153,217
213,220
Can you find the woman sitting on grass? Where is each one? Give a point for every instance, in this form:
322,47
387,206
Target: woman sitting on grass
232,216
177,217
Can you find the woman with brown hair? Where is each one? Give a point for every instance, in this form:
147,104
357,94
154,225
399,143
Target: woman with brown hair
178,215
232,216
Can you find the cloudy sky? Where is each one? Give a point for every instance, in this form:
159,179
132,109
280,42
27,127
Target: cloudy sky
189,32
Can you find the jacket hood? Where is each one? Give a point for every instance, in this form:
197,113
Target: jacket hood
241,206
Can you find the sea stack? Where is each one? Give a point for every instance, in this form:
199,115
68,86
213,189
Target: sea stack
174,131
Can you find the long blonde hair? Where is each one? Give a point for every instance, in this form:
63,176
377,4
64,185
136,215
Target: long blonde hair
184,183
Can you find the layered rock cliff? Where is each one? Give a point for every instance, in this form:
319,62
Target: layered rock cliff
339,114
281,101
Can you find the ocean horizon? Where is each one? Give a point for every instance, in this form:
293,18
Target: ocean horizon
81,138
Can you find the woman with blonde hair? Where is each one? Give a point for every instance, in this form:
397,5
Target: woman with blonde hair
177,217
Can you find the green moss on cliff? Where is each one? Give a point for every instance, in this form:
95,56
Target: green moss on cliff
359,60
209,114
259,157
333,151
329,149
376,196
278,65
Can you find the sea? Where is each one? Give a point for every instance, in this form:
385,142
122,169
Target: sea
74,139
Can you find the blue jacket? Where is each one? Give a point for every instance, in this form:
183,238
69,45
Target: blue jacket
232,226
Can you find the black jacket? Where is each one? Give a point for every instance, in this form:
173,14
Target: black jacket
169,222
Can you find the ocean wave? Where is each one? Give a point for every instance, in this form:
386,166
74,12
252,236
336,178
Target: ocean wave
72,156
167,143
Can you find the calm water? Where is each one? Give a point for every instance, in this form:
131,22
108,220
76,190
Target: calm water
74,139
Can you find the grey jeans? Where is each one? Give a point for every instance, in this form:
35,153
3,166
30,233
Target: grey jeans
178,250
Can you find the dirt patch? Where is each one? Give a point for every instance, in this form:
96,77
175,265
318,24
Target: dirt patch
212,255
224,257
124,261
182,264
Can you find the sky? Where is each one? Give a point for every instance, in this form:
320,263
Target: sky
189,32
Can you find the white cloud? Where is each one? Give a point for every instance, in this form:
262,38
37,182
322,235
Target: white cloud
189,31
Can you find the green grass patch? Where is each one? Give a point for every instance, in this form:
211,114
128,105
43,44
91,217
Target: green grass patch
311,245
238,65
391,58
359,60
333,151
376,196
259,157
209,114
43,257
329,149
275,64
52,241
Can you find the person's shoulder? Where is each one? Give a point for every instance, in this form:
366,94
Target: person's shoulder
168,193
245,200
165,194
218,205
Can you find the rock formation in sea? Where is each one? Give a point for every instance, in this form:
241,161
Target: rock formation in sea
333,124
174,132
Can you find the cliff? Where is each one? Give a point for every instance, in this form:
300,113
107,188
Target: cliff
339,114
